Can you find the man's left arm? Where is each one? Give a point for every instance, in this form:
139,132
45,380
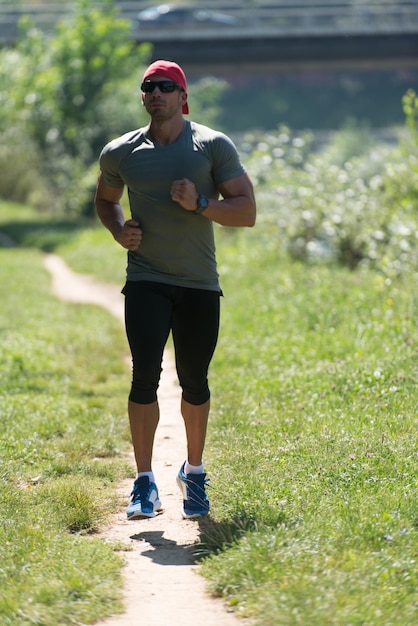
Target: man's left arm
236,208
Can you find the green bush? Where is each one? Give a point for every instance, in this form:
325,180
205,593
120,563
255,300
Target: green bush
320,207
56,114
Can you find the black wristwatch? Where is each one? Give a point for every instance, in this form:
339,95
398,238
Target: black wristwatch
202,204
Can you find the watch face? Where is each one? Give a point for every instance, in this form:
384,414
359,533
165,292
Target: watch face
202,202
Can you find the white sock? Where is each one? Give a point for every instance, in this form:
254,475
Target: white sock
149,474
193,469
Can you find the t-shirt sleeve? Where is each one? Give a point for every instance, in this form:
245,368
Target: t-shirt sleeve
109,166
225,159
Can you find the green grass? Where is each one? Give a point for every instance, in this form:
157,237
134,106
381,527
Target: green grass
312,445
63,434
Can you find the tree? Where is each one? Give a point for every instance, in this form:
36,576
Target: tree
56,94
410,107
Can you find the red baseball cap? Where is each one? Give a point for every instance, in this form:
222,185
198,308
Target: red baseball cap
169,70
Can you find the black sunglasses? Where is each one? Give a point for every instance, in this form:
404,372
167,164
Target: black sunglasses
165,86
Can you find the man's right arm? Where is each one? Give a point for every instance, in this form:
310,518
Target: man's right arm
110,213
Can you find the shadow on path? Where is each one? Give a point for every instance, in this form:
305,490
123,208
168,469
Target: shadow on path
165,551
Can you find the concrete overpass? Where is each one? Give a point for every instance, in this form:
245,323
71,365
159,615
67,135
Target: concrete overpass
299,34
302,33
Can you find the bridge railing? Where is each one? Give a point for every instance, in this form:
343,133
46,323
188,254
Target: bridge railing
301,21
298,18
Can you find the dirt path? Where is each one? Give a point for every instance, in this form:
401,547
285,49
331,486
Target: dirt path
162,586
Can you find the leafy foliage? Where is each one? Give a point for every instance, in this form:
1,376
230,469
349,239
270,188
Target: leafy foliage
353,202
410,105
56,112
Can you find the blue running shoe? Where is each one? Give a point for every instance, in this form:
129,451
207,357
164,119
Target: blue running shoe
145,501
195,500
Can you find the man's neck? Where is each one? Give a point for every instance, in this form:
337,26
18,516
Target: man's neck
166,132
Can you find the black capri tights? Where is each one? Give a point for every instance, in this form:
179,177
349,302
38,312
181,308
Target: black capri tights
151,311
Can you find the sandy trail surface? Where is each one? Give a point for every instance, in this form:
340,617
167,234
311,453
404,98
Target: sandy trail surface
161,583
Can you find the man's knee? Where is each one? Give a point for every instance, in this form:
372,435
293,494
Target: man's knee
196,396
143,396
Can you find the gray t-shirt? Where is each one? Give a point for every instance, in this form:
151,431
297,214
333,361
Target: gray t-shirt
178,246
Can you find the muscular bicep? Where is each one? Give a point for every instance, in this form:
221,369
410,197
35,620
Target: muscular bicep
238,206
239,186
106,192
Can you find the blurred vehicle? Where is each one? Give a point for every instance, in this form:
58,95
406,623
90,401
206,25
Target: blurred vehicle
176,15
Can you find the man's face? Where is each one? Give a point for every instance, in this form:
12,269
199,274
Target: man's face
162,97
